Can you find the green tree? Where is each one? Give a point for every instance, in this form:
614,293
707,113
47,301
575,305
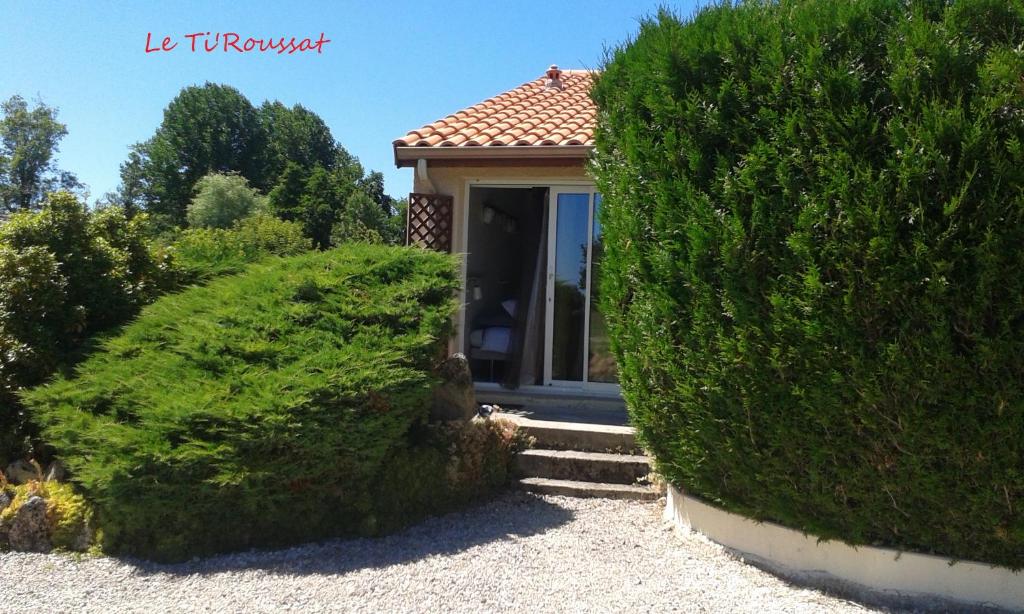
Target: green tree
295,135
396,223
29,138
223,199
286,197
373,186
206,129
361,220
132,194
320,204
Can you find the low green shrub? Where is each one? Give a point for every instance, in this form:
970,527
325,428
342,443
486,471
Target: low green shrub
259,409
68,515
66,273
813,220
208,252
443,467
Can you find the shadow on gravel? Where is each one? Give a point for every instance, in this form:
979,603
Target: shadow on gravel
512,515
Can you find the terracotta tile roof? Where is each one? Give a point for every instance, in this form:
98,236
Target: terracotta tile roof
529,115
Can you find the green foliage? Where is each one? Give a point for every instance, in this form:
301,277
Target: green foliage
289,154
215,129
296,136
66,273
334,209
221,200
68,515
361,220
208,252
320,205
813,277
205,129
258,409
444,467
28,142
286,197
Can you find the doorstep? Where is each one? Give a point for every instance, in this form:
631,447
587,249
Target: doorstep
542,403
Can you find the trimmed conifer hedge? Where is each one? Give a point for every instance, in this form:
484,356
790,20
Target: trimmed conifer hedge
814,266
261,409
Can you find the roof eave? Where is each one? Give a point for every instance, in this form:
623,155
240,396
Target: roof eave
407,155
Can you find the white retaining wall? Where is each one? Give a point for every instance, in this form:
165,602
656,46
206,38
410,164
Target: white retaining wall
864,572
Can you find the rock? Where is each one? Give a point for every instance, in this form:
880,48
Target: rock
454,398
5,500
21,472
29,531
56,472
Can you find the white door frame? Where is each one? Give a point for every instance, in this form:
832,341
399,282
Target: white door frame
572,186
549,313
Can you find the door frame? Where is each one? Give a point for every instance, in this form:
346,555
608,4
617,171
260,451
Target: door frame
572,185
549,311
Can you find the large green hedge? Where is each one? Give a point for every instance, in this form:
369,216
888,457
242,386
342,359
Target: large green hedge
259,409
814,276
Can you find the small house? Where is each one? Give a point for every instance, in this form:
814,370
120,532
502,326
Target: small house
504,183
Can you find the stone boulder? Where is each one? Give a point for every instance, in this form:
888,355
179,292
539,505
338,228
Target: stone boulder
454,398
28,530
21,472
56,472
5,500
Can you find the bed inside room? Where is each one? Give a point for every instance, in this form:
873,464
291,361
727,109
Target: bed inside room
505,265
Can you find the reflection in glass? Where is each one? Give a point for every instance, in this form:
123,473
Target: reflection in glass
600,362
570,299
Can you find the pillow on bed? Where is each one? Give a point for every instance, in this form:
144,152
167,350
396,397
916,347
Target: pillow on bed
497,339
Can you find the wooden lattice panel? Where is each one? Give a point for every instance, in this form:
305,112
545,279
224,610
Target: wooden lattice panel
429,223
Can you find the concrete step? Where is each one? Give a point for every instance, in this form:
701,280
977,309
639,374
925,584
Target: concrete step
582,466
572,488
577,436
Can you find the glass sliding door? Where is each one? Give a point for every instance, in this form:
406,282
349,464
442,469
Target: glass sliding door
600,362
576,341
569,288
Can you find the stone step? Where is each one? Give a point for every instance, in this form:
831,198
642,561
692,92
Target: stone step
582,466
577,436
573,488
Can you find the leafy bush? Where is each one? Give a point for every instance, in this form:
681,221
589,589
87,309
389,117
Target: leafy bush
363,220
259,409
109,267
446,465
68,515
814,214
222,200
66,273
205,252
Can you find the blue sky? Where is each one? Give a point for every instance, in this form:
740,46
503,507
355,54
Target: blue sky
391,66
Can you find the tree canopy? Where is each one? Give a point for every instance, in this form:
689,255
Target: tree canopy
221,200
287,153
29,138
207,129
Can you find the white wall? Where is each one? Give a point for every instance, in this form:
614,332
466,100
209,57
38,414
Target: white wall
879,575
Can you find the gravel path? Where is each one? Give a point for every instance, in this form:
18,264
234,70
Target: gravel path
518,553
